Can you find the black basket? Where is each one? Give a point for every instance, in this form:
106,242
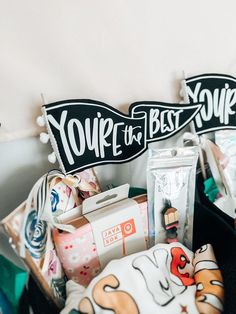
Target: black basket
213,226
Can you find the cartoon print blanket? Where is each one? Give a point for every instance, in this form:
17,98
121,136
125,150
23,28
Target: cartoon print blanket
168,278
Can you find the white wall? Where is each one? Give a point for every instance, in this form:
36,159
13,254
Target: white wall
116,51
22,163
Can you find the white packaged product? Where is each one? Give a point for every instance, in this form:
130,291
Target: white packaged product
171,175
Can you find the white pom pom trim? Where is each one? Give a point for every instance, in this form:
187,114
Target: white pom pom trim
52,158
44,137
40,121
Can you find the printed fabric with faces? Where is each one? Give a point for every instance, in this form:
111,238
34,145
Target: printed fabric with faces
168,278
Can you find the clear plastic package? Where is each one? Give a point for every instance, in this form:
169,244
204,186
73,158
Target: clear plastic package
226,140
171,180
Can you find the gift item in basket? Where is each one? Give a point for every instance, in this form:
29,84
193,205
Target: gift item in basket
226,140
168,278
212,225
115,224
68,193
30,225
221,173
171,181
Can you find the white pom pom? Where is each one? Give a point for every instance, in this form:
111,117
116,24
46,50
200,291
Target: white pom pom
40,121
44,137
52,158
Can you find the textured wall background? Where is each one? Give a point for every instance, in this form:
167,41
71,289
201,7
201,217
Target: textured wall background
114,51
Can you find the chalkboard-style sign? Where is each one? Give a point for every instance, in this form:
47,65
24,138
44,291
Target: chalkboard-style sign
86,133
217,94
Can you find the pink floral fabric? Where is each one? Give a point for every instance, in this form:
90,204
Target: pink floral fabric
77,251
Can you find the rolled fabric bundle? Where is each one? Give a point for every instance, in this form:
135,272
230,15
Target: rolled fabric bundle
209,281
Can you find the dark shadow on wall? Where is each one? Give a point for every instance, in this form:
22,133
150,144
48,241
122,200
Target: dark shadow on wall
22,163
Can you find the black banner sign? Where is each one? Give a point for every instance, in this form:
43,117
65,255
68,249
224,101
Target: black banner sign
86,133
217,94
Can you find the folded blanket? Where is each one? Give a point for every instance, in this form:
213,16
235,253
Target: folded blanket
167,278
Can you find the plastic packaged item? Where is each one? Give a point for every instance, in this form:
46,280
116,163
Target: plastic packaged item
226,140
223,175
171,180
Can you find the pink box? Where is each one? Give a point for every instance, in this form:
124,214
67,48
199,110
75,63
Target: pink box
77,251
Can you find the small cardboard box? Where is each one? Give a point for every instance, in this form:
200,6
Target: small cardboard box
85,265
112,226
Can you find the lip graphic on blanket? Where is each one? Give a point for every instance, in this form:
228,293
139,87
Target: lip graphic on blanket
179,266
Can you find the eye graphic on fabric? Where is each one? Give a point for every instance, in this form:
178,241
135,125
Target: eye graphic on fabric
178,263
202,249
200,286
35,235
54,200
209,282
217,283
210,292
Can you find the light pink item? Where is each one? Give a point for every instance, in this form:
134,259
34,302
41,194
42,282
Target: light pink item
77,251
